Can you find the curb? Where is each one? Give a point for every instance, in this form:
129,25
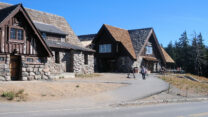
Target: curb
162,101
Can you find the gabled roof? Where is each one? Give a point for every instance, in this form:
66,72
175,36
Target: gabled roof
63,45
122,36
138,38
49,28
55,20
11,11
168,59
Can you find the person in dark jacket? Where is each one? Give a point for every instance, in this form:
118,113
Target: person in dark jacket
143,72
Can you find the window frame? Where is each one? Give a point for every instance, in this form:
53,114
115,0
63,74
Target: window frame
16,34
3,56
148,48
105,48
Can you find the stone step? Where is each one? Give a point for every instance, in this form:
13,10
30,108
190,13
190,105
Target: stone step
63,75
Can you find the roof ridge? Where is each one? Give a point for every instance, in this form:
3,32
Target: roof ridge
140,29
33,9
87,34
114,27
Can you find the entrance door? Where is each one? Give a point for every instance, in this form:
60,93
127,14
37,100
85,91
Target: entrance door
15,67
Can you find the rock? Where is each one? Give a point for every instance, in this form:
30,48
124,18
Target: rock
25,74
35,69
37,77
7,78
23,69
45,77
46,69
24,78
30,78
32,74
29,69
37,73
2,78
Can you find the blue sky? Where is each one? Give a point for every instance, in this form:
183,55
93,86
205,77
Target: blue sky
169,18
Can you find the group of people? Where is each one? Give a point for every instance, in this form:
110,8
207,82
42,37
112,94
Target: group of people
134,70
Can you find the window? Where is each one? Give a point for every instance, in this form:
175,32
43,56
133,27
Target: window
13,33
85,59
105,48
29,59
2,59
148,49
20,34
16,34
44,35
41,60
62,39
57,58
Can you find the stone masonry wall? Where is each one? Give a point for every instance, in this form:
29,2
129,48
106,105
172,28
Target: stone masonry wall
35,71
63,66
79,66
4,69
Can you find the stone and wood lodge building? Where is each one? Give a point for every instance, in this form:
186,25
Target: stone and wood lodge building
118,49
39,45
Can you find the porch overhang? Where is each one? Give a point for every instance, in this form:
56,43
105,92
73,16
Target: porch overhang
150,58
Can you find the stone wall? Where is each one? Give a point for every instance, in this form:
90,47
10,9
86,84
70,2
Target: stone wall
34,71
79,66
63,66
4,69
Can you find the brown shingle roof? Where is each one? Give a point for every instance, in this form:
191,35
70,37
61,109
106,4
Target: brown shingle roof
168,59
122,36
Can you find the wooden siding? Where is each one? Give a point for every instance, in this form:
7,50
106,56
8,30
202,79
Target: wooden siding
30,45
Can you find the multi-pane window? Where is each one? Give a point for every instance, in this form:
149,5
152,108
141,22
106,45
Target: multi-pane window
13,33
29,59
105,48
148,49
20,34
16,34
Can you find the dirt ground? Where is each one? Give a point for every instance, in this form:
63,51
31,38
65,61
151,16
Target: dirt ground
59,89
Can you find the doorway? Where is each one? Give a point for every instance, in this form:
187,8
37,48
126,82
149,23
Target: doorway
15,67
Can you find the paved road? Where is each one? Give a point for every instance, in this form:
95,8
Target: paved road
136,88
196,109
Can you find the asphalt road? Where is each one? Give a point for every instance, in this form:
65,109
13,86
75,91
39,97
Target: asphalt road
194,109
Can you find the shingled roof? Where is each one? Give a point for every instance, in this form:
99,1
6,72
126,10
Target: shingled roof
55,20
168,59
138,38
63,45
49,28
122,36
6,11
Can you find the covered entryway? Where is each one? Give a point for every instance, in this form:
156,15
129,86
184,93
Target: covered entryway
15,67
107,65
151,63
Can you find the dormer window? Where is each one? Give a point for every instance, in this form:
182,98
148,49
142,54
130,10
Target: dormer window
16,34
149,49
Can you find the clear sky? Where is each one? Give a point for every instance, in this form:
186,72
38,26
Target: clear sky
169,18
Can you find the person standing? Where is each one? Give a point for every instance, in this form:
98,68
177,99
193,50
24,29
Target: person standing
143,72
132,70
